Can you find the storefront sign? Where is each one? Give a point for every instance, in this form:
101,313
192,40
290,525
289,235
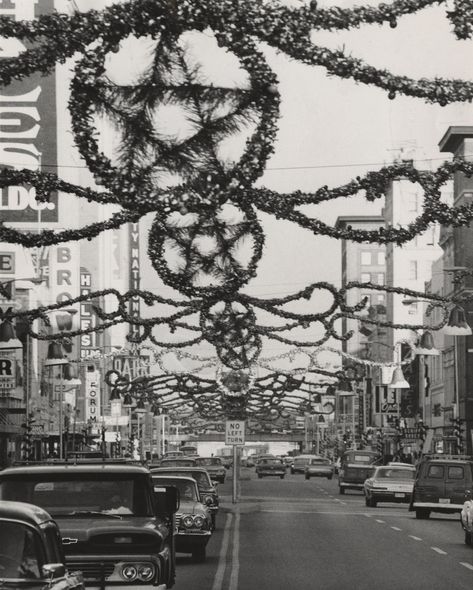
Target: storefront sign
27,123
132,366
88,342
7,372
92,397
64,271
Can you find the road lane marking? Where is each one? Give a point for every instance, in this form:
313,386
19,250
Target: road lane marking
220,573
439,551
381,521
415,538
395,528
467,565
235,555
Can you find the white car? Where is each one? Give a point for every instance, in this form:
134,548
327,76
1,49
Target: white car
389,483
467,521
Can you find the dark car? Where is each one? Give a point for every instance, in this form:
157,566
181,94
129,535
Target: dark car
193,521
355,467
176,462
390,483
208,492
319,467
214,466
31,554
271,466
441,485
112,526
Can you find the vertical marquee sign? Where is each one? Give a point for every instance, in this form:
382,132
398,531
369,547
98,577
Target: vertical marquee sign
134,274
87,316
27,124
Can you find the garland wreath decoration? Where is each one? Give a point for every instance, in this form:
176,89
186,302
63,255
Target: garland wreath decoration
208,209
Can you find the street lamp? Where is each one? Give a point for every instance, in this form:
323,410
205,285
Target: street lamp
57,358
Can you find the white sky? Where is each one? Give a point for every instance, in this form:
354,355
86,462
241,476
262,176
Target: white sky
332,130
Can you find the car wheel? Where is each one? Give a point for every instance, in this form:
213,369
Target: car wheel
307,476
213,518
329,476
341,490
367,502
372,503
260,476
422,514
292,471
198,554
281,476
468,538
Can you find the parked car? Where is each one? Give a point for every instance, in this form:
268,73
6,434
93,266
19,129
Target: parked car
319,467
355,468
390,483
227,461
466,518
250,461
441,484
193,521
208,492
214,466
177,462
31,554
113,528
270,466
300,462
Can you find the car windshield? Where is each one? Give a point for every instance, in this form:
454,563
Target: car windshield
110,495
270,462
187,488
208,461
319,462
20,556
395,473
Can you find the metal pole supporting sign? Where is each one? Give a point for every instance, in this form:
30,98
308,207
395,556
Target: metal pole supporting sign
235,436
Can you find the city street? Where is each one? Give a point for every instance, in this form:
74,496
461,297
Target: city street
297,534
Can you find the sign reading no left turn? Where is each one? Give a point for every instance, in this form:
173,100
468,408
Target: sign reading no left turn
235,432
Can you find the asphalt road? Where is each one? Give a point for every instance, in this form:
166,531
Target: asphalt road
302,535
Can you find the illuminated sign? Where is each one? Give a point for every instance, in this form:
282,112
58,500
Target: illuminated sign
134,273
92,397
87,316
27,124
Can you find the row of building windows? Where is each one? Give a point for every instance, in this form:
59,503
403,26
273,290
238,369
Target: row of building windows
372,257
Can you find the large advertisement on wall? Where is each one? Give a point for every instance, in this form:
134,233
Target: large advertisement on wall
27,124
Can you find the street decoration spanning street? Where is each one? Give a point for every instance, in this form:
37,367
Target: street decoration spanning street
206,208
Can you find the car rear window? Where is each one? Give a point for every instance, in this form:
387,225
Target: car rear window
435,471
455,472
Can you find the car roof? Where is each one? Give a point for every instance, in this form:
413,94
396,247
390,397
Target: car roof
74,468
170,468
174,478
29,513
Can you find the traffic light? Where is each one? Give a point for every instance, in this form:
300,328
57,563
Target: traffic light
27,442
458,432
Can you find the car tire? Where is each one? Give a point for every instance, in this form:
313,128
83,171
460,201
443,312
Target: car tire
281,477
260,476
292,471
367,502
372,503
341,491
199,554
213,518
422,514
307,476
468,538
329,476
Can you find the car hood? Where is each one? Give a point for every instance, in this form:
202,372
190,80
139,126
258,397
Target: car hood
191,507
29,585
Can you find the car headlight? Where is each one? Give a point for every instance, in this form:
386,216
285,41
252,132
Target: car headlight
129,572
208,500
188,521
146,572
199,521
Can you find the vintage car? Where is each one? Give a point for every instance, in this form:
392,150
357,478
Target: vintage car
31,554
355,467
270,466
466,517
300,462
208,492
113,529
319,467
214,466
193,521
390,483
441,484
176,462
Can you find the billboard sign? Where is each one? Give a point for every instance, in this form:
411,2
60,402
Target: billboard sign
134,273
7,372
28,130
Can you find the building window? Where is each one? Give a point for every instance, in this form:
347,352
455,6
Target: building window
381,258
381,299
366,258
380,278
413,270
412,202
365,277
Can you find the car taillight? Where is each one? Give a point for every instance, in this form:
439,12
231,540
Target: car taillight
144,572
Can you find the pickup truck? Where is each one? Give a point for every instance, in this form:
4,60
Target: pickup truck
271,466
355,468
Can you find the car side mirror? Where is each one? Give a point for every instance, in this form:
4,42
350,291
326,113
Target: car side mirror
214,483
167,499
53,570
468,495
